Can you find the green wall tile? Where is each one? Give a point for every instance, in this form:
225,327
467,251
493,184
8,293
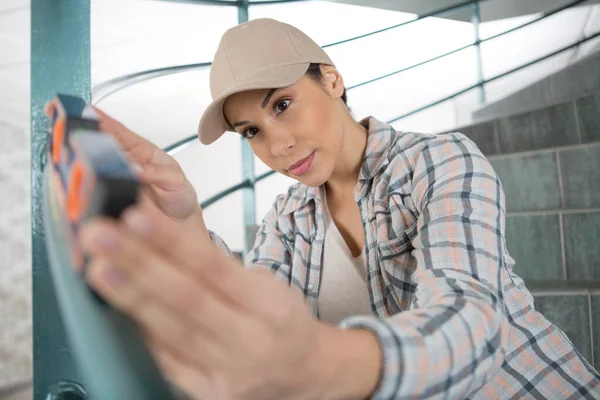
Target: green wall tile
571,314
596,329
580,169
588,113
541,129
534,243
582,245
484,135
530,182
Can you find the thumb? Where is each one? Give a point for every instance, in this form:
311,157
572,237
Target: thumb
185,241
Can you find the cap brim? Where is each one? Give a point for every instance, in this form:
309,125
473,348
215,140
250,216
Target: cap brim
212,124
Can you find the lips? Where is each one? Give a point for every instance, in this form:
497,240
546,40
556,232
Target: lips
302,166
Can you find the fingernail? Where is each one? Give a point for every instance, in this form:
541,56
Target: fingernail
113,276
100,237
137,222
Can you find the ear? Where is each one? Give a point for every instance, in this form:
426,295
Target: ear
332,81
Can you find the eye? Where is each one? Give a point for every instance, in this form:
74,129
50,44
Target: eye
282,105
249,133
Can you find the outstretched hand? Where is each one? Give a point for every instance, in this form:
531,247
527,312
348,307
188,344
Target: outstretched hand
163,179
218,330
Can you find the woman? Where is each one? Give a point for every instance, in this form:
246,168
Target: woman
392,245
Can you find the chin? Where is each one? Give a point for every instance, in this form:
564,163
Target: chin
311,182
314,178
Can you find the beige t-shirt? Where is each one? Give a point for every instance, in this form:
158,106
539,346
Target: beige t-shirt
343,291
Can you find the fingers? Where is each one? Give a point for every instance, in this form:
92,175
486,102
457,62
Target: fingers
128,139
139,149
165,175
192,379
135,277
153,164
49,108
256,292
186,242
194,339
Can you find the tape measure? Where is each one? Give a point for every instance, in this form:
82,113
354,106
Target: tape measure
89,175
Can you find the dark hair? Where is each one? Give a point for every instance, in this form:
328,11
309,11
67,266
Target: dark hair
314,73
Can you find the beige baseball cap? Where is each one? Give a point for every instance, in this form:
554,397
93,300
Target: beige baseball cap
259,54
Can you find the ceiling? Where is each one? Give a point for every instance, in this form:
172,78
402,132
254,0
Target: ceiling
490,10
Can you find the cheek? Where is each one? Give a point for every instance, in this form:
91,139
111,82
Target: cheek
263,153
317,125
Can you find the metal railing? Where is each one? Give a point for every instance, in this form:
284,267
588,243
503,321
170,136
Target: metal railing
107,88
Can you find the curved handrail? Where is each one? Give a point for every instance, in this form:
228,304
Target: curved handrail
547,14
247,183
435,13
124,81
483,82
116,84
516,28
243,184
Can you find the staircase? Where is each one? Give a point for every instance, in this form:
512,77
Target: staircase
548,161
568,83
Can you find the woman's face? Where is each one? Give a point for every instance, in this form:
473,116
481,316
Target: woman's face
297,130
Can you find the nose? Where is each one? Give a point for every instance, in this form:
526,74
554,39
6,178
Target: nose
281,144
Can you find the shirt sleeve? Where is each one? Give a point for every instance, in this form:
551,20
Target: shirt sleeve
270,250
454,338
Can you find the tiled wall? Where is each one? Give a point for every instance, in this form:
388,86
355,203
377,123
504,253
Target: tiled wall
553,211
549,163
563,124
577,314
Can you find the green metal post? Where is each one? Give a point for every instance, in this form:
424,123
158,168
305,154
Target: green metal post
60,62
475,20
249,199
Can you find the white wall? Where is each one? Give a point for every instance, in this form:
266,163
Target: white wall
15,237
15,256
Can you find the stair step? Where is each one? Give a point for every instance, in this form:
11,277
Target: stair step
575,313
568,123
561,178
570,82
555,246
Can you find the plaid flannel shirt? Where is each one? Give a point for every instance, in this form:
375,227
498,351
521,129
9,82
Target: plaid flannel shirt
453,319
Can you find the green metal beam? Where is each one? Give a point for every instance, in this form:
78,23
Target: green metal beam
475,19
60,62
248,193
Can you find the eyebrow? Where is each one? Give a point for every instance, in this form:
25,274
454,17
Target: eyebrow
263,105
235,125
268,98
